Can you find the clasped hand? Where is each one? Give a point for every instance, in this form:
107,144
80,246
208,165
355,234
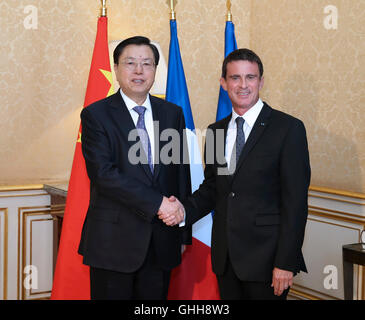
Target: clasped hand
171,211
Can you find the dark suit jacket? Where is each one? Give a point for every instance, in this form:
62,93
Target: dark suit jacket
124,198
260,211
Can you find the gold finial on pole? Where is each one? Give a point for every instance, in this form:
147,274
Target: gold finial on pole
229,13
103,9
172,4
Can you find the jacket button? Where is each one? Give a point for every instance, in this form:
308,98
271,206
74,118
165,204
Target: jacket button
232,194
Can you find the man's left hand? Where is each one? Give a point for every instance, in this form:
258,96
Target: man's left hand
281,280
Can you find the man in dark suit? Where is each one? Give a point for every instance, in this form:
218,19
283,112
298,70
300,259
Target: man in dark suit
258,192
129,250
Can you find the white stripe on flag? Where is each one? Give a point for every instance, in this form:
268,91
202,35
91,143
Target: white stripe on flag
202,229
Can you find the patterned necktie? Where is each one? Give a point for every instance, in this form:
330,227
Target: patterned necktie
240,139
142,131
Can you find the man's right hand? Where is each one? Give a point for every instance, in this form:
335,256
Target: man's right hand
171,211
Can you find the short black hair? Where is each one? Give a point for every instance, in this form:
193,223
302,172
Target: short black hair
242,54
139,41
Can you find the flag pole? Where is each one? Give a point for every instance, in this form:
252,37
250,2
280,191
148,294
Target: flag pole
103,9
172,4
229,12
230,44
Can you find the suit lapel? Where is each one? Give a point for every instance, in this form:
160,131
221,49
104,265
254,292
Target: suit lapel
262,122
120,111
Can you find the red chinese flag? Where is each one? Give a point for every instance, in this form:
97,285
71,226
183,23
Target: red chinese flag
71,279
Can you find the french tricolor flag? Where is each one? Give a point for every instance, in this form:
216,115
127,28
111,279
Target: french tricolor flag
194,278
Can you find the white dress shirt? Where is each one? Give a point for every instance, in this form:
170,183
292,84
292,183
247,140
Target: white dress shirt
250,118
148,118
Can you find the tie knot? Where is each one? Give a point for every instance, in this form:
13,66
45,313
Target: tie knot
140,110
240,121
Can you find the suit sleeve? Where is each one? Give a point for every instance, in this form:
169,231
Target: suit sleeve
98,154
294,180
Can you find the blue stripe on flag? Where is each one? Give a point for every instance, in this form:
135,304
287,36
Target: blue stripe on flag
224,104
176,88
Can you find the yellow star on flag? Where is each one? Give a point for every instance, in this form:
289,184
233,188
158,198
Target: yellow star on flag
109,77
79,138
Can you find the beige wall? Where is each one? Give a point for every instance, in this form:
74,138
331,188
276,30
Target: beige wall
312,73
318,75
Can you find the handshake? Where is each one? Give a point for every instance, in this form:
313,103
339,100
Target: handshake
171,211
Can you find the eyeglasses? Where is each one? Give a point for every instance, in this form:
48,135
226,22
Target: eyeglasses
132,65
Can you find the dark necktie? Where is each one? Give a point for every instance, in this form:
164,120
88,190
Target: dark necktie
142,131
240,139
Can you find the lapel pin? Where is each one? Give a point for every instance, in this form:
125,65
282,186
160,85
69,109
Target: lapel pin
262,124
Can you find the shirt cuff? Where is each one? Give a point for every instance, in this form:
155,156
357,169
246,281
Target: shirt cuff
182,223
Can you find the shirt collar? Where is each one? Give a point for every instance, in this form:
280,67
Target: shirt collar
251,115
131,104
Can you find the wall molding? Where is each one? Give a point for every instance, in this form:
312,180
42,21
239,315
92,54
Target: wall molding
4,250
331,213
340,212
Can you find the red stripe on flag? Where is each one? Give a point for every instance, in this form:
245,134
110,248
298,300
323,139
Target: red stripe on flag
194,278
